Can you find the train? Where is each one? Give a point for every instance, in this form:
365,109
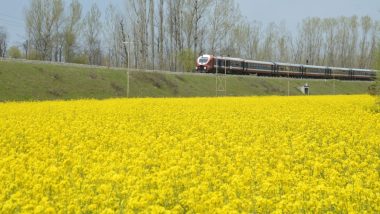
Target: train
229,65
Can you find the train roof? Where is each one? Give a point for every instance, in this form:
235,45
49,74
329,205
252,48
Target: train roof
315,66
229,58
339,68
362,69
259,62
288,64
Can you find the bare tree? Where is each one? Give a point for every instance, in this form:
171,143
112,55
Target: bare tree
160,43
195,11
312,36
152,32
375,32
175,22
254,40
3,42
224,16
41,18
366,23
240,40
351,60
124,40
114,34
330,31
343,41
92,29
242,37
25,46
72,30
138,25
270,38
58,34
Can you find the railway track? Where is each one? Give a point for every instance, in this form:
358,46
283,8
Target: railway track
36,62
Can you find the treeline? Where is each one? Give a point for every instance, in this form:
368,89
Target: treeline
342,42
170,34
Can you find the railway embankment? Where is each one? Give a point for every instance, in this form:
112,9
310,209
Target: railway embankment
26,81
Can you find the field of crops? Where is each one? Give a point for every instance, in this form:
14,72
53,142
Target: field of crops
197,155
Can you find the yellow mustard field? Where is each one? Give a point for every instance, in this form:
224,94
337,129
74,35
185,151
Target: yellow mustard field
194,155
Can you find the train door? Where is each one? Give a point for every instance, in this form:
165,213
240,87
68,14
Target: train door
219,63
351,74
242,63
328,73
274,69
228,66
301,70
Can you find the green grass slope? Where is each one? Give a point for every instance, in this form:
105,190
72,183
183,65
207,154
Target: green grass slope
21,81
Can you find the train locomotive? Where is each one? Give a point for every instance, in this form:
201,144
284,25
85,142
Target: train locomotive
213,64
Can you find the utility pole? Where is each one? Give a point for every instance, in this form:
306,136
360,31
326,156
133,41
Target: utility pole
288,84
128,67
334,85
221,79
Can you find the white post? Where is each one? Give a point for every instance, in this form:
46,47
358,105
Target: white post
334,85
288,84
129,62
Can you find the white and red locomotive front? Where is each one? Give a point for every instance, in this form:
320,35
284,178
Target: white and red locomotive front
205,63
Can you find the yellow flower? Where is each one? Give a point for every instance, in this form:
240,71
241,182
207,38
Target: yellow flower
195,155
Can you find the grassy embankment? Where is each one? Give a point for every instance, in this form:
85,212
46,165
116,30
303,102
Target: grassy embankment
21,81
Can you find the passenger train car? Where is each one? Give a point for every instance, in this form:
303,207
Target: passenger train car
213,64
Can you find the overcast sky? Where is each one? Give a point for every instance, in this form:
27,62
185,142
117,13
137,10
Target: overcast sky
290,12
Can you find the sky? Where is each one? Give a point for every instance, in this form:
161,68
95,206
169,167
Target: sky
290,12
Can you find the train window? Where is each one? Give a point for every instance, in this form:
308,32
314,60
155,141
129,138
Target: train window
218,62
315,70
338,71
203,60
288,68
259,66
235,64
